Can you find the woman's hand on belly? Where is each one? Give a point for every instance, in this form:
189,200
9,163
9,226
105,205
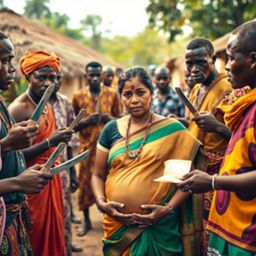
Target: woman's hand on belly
113,209
152,213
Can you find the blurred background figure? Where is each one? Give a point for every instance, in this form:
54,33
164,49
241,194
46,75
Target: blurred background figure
190,82
151,70
107,76
118,71
166,101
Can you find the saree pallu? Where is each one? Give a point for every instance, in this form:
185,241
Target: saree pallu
130,181
46,208
233,214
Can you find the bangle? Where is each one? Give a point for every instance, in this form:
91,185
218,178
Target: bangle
170,209
100,198
48,143
213,181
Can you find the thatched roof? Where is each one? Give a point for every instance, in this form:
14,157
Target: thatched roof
27,34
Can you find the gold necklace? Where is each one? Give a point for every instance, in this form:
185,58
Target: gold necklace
136,153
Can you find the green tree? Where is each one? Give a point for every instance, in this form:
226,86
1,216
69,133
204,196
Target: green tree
59,22
2,4
91,23
137,50
37,9
209,18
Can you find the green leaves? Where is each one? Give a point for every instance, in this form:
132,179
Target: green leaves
208,18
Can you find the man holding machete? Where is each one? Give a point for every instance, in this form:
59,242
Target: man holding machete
40,69
205,96
13,179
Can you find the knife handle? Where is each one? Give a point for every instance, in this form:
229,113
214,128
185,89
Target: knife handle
31,123
77,119
196,114
45,170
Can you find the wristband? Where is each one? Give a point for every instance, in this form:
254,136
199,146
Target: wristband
170,209
213,181
100,198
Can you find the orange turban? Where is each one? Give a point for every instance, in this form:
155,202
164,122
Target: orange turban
34,60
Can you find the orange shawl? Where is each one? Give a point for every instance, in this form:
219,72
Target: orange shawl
46,208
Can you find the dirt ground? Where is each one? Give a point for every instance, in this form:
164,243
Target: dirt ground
91,242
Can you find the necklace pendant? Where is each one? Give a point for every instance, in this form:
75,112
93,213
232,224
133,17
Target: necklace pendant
132,156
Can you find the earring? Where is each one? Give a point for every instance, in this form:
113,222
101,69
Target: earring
125,112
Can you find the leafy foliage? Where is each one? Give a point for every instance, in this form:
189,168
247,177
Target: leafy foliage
208,18
91,23
59,22
2,4
147,47
37,9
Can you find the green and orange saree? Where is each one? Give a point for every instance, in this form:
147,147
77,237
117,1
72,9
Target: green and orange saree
131,181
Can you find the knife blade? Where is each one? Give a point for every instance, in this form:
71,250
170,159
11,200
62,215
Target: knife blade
70,162
40,106
187,102
53,157
77,119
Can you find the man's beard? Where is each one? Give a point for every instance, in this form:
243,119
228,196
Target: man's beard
94,89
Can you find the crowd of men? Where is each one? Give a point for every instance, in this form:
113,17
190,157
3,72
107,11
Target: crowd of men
35,215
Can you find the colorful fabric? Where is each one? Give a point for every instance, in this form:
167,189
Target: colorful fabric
15,241
214,144
34,60
170,104
108,104
224,248
13,164
128,178
47,236
64,115
233,215
235,105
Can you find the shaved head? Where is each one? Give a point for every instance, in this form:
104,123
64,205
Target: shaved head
162,70
246,35
107,69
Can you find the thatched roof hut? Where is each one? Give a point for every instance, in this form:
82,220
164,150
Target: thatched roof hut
27,34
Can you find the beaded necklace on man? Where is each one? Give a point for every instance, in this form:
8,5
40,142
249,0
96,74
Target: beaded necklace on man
135,154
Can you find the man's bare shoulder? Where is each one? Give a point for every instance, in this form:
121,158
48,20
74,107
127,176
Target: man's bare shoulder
21,108
21,102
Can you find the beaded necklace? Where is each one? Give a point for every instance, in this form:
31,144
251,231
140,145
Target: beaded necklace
135,154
